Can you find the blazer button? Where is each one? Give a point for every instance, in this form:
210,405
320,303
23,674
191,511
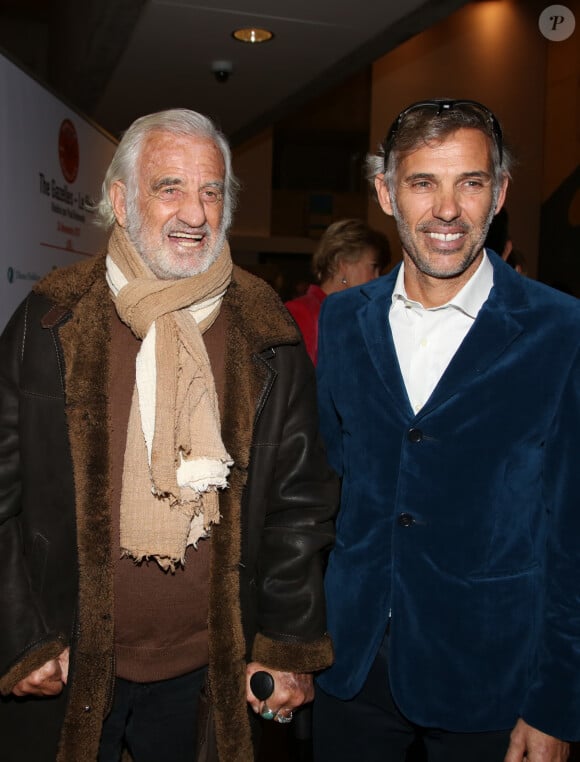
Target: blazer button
405,520
415,435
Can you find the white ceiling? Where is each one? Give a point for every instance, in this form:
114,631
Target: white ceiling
119,59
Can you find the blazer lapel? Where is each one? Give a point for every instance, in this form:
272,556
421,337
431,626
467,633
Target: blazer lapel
493,331
373,320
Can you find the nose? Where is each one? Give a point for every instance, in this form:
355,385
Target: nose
191,210
446,205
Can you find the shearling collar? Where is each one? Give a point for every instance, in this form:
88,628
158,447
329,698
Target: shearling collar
265,324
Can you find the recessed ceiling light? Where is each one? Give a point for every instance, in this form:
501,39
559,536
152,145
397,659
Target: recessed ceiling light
252,35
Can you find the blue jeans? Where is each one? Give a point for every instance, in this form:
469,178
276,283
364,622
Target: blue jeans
154,721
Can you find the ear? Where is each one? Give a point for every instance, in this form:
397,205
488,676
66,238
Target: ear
118,197
502,194
383,195
341,270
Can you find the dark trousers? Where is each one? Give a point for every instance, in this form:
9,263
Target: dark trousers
155,721
370,728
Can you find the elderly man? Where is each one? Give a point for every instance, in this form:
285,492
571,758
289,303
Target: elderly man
165,502
449,402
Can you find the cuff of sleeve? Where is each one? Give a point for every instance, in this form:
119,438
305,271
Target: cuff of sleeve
33,660
293,656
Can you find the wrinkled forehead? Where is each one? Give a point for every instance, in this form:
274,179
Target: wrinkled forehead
165,152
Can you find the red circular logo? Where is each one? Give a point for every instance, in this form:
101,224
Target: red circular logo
68,151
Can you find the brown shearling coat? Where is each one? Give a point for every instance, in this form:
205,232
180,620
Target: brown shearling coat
56,572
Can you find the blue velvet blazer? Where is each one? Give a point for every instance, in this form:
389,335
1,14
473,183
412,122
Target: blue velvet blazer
461,523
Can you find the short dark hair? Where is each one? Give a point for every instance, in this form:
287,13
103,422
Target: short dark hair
432,121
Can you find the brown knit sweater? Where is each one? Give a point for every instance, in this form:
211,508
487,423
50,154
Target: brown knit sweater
160,618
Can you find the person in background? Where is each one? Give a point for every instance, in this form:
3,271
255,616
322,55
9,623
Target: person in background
498,236
517,260
349,253
449,399
498,240
165,501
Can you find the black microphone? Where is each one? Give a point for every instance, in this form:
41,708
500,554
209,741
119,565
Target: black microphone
262,685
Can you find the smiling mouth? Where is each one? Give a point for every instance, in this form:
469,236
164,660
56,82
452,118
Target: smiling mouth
188,238
444,236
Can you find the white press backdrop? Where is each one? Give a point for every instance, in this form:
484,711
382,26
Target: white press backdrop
52,163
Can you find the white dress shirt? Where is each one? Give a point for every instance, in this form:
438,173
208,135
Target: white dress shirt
427,339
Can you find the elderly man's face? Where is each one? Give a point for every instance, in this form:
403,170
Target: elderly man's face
175,218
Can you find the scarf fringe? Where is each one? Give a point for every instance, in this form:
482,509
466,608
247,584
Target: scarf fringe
166,563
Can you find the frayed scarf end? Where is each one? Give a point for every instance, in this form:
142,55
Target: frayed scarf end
164,562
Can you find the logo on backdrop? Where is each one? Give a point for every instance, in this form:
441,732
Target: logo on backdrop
12,275
68,150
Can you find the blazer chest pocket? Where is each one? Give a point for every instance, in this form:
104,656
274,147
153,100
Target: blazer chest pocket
504,574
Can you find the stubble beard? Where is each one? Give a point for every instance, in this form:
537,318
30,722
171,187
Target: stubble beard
421,262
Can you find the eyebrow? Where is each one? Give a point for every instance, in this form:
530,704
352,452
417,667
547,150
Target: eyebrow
477,174
214,184
163,182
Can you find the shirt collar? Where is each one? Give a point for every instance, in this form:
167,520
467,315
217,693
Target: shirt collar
469,300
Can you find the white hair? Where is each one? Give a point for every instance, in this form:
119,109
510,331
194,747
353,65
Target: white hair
179,122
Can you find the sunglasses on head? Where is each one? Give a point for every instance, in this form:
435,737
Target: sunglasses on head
441,106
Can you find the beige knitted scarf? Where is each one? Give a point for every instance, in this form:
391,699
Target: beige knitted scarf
175,460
